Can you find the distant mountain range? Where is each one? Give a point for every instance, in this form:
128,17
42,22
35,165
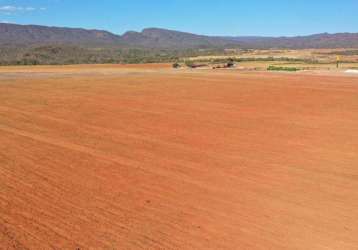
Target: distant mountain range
33,35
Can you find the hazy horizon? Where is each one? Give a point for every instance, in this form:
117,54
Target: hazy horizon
232,18
164,28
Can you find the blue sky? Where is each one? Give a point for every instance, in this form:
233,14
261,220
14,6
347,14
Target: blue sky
211,17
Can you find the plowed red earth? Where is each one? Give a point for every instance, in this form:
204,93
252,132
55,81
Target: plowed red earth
151,158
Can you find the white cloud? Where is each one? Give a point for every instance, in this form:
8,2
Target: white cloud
9,9
29,9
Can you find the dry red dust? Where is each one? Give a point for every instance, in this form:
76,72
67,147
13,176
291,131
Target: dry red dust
178,160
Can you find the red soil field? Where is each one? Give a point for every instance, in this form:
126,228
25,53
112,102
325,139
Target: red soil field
152,158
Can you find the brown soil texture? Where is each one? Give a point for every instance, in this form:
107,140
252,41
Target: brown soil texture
165,159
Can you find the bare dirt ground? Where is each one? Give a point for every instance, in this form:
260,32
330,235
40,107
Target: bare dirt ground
304,59
321,55
100,157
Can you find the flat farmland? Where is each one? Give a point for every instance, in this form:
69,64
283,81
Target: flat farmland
145,157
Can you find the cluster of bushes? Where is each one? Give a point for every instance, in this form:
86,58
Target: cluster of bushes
50,55
344,52
176,65
276,68
67,54
228,63
61,55
192,64
257,59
